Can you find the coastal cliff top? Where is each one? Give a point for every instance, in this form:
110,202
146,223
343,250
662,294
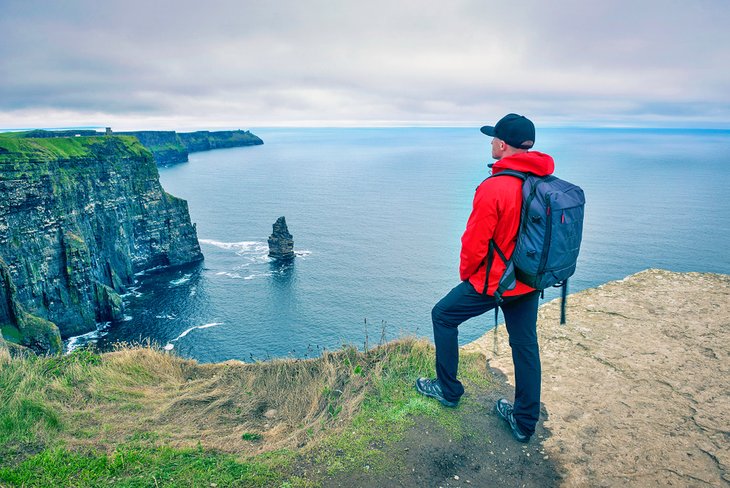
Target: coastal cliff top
17,149
636,384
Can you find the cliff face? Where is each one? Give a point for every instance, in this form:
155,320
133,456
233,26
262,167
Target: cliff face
205,140
165,146
169,147
79,217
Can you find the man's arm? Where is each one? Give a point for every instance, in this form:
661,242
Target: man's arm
478,233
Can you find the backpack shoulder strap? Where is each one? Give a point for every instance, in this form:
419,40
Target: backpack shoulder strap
512,172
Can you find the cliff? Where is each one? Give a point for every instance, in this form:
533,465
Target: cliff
79,217
165,146
169,147
207,140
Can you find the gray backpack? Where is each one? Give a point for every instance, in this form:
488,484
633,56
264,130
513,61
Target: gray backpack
549,235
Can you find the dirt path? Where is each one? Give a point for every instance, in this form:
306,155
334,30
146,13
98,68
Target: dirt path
637,385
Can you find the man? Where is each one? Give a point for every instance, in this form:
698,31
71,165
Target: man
494,220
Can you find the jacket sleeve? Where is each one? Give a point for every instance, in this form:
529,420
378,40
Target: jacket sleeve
479,231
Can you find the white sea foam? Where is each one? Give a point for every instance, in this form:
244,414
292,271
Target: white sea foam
229,275
257,275
169,346
132,291
145,271
75,342
180,281
240,247
166,316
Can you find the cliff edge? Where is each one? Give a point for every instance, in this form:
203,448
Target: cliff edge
635,386
79,217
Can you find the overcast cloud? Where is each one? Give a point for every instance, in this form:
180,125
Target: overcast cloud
188,65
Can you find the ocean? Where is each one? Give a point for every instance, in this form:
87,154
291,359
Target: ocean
377,215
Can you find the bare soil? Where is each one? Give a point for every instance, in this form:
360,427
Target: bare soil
430,456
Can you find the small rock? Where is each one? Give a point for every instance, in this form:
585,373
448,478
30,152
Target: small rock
270,414
456,477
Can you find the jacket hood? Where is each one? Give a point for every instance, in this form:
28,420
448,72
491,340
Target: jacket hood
533,162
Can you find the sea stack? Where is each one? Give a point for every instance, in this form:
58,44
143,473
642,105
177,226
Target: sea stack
281,243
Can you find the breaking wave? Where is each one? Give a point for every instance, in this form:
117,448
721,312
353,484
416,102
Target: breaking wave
169,346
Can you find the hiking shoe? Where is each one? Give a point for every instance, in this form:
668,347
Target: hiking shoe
504,409
432,388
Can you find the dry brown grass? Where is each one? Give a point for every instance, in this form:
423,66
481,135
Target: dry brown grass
4,353
276,404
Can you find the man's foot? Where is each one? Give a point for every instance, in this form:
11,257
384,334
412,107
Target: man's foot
504,409
432,388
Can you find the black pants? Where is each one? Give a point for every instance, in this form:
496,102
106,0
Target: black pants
520,313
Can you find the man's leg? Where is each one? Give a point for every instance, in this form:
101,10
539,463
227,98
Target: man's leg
520,316
460,304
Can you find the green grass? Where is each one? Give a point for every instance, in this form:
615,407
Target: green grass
138,465
46,439
11,333
391,406
15,149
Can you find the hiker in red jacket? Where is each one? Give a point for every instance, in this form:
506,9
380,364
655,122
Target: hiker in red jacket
495,217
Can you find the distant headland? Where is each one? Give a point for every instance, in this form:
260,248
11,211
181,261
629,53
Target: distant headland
167,147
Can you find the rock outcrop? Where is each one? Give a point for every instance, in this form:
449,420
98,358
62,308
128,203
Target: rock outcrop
281,242
35,333
78,218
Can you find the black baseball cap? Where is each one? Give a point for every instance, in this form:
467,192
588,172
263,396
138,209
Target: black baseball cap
516,130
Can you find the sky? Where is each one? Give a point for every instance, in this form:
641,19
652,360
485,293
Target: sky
188,65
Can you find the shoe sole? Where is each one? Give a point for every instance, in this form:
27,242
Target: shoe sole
441,400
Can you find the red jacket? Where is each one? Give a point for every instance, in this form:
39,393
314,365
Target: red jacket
496,215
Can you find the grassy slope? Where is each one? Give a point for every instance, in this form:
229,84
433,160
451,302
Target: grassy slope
14,149
140,417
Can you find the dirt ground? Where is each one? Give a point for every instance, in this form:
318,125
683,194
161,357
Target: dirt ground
428,456
636,392
636,386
